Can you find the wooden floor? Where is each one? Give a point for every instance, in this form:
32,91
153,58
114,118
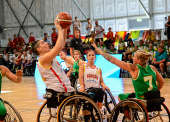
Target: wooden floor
27,98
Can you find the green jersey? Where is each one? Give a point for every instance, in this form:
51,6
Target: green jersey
76,67
145,81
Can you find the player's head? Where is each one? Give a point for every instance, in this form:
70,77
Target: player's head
40,47
91,55
63,55
77,54
141,57
77,33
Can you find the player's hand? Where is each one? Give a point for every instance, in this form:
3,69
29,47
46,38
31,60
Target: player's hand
105,87
68,74
94,45
81,89
19,73
57,24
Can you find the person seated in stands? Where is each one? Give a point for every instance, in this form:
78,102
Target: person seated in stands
27,60
121,46
162,44
128,53
110,38
102,46
10,45
151,37
135,49
31,38
24,46
154,46
141,45
14,56
152,52
113,50
46,39
160,59
18,61
15,40
20,39
6,58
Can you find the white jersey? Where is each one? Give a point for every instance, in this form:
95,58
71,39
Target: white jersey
99,29
76,24
68,65
91,77
89,29
54,77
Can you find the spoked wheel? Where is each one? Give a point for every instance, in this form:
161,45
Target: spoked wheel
83,110
12,114
47,114
160,116
129,111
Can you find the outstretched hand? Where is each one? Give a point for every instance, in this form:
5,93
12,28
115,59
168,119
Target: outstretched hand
94,45
57,24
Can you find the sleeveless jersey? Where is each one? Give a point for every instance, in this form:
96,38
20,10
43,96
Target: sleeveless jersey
0,80
68,65
76,24
54,37
54,77
91,77
76,67
89,29
145,81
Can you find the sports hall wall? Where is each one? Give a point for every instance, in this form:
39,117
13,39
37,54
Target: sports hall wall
110,13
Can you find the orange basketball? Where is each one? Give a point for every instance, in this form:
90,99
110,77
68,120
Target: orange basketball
65,19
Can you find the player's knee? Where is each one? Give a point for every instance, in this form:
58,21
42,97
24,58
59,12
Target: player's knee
161,64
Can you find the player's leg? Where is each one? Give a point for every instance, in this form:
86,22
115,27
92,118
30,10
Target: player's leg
100,98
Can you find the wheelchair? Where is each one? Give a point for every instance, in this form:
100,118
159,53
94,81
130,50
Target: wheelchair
152,108
12,115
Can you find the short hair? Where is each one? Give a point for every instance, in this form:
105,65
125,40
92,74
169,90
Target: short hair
111,45
14,34
20,51
160,47
141,40
18,34
53,28
88,18
31,33
76,17
34,46
45,34
151,45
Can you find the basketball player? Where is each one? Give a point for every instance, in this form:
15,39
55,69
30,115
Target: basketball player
144,76
51,72
77,63
54,36
90,79
76,24
69,61
15,78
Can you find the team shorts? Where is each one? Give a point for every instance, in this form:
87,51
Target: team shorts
2,111
97,39
125,96
97,94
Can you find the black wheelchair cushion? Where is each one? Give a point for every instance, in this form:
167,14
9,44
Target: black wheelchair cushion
85,94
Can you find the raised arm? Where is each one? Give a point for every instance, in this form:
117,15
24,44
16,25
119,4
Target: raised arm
126,66
15,78
48,57
81,78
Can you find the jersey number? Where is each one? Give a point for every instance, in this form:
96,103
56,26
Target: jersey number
150,82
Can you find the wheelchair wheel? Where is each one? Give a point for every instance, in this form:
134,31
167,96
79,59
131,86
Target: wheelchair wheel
12,114
83,110
160,116
77,85
129,110
47,114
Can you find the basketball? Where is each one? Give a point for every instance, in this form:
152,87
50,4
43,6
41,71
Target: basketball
65,19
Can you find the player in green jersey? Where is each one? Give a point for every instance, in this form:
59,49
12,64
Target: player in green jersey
15,78
144,76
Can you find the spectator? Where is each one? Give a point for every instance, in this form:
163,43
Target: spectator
31,38
54,37
142,46
162,44
160,59
135,49
154,46
152,51
20,39
102,46
12,63
68,41
76,24
18,60
6,58
76,43
121,46
68,31
88,28
24,46
168,28
151,37
15,40
109,38
98,29
10,45
45,39
113,50
27,60
128,53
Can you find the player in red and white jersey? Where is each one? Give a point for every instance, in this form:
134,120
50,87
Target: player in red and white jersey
90,79
49,68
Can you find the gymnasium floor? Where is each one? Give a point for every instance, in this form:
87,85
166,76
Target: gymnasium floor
27,98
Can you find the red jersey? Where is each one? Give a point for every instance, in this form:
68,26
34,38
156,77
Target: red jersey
54,37
31,39
21,39
15,40
18,58
11,44
109,35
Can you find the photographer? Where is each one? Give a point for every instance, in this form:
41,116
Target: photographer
167,24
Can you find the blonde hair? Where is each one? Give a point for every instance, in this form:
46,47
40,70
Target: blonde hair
77,51
143,56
